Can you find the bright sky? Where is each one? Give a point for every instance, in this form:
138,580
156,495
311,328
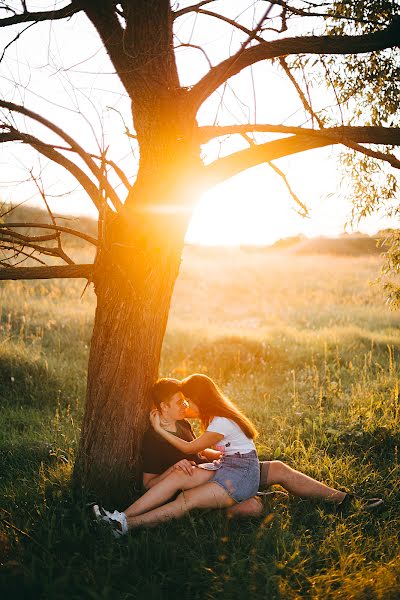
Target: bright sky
71,70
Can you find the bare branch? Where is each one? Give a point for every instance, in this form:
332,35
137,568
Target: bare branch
74,146
45,149
365,135
14,40
61,253
303,208
49,272
27,238
83,236
389,158
47,15
19,251
204,53
192,8
307,105
343,44
19,241
304,212
235,163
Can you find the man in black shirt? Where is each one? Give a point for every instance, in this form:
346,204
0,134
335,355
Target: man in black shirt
158,455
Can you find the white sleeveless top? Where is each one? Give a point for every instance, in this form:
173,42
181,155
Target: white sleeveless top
234,439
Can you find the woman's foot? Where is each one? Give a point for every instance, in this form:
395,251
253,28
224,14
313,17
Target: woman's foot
117,520
350,502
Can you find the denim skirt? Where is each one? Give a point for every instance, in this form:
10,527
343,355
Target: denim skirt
238,474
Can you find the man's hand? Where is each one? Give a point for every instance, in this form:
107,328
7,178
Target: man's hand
185,465
155,419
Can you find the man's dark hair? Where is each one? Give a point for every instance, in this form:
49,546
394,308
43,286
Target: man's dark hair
164,389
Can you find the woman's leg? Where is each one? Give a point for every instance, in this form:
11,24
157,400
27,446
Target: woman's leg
165,489
209,495
297,483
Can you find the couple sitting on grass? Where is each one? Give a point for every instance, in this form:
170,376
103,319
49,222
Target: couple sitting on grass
219,469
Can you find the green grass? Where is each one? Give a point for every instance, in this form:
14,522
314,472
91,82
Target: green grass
309,350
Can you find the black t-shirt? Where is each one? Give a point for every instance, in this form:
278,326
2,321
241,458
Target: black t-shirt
158,455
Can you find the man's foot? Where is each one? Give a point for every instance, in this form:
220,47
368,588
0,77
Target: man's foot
350,502
116,520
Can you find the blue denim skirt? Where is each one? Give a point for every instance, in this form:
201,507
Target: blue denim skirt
238,474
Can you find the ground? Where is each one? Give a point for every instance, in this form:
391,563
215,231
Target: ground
304,344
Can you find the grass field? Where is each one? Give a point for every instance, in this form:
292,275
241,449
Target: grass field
305,345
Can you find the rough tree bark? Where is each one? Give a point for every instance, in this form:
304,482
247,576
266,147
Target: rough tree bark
134,277
133,288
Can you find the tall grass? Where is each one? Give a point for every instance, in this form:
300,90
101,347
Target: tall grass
307,348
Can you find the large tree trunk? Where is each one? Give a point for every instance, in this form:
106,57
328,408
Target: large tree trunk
134,284
140,252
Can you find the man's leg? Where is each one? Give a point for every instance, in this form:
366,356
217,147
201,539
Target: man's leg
210,495
298,484
164,490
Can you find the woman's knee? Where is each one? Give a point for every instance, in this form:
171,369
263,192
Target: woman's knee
182,481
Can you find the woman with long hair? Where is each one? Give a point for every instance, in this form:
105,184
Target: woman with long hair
230,479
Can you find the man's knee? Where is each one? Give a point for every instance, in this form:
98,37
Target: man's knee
185,501
278,472
249,508
179,479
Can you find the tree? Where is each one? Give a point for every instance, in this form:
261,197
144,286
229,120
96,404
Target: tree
140,239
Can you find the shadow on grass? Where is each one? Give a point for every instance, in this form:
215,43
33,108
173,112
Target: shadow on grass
69,556
28,383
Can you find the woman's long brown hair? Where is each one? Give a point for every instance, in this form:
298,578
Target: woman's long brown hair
212,403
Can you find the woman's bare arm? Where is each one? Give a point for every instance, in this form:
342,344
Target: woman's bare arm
207,439
211,454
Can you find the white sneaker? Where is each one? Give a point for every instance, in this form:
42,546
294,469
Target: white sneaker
100,511
119,524
117,520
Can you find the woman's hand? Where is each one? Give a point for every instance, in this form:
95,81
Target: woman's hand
155,420
185,465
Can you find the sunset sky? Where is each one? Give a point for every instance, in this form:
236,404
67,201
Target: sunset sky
71,70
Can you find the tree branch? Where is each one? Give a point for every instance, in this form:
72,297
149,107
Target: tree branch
303,208
235,163
306,104
49,272
61,253
83,236
192,8
47,15
27,238
17,253
52,154
343,44
365,135
74,146
20,241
